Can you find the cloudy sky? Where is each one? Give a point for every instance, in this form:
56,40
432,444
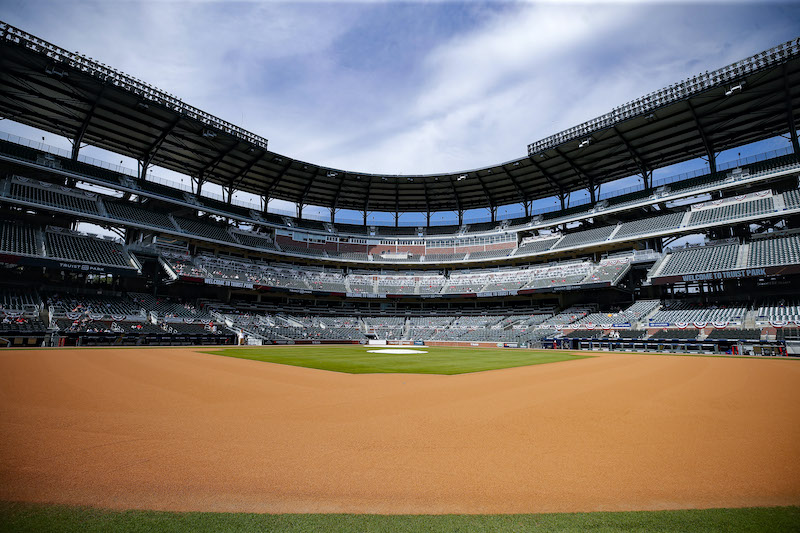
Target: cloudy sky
407,87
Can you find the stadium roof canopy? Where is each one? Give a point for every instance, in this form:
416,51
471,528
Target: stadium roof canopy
47,87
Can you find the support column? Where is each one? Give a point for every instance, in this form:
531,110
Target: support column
76,148
427,219
647,179
299,210
397,219
364,212
197,184
790,115
709,146
76,142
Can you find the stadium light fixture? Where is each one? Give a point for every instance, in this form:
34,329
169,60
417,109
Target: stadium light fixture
734,89
673,93
55,71
584,143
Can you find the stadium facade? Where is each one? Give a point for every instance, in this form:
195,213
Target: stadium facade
192,268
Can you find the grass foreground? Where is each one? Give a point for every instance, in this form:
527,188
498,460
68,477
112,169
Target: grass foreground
55,518
356,359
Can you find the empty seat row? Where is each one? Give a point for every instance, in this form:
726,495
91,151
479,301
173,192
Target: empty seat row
650,225
203,229
19,239
585,237
732,211
86,249
55,197
700,259
774,251
138,215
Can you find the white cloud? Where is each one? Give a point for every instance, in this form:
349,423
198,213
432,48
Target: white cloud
530,72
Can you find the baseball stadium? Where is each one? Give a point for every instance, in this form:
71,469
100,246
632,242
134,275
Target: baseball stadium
623,358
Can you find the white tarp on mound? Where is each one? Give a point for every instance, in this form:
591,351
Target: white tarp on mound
399,351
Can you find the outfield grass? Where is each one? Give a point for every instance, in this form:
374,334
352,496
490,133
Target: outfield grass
55,519
355,359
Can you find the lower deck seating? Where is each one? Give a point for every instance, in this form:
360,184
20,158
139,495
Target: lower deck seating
735,334
675,334
675,313
21,325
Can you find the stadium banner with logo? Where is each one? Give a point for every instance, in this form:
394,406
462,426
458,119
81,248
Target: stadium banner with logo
730,274
73,266
229,283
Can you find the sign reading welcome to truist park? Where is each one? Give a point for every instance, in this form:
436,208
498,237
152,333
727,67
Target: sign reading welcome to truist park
729,274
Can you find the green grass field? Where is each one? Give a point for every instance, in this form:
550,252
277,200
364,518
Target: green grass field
55,519
355,359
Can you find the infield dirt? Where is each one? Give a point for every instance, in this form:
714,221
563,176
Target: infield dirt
176,429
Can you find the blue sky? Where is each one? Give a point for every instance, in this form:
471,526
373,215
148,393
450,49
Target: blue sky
406,87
